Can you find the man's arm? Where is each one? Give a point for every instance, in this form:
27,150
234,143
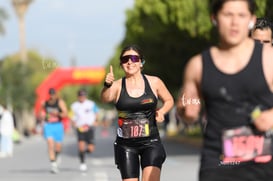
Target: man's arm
96,112
264,121
189,101
42,112
63,107
73,117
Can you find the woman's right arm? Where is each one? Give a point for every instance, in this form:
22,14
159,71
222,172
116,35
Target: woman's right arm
110,89
109,94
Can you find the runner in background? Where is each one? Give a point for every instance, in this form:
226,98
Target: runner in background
85,115
54,109
263,31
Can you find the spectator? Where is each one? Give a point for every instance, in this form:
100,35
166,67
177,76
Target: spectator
6,132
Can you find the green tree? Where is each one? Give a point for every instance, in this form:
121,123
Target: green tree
165,31
170,32
19,80
18,83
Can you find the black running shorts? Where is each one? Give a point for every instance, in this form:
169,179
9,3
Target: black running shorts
129,156
87,136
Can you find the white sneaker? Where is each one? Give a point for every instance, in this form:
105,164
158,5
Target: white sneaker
59,160
54,167
83,167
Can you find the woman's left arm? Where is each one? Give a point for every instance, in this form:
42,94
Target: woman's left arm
165,96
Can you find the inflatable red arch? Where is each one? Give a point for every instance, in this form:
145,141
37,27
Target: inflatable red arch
64,76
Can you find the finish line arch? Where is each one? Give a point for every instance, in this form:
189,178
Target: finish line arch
63,76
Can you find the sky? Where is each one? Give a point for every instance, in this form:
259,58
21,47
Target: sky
87,31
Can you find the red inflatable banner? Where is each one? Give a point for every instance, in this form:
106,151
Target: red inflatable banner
64,76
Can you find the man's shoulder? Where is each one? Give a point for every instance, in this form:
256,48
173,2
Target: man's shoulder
268,49
60,100
74,105
194,68
195,61
90,102
268,54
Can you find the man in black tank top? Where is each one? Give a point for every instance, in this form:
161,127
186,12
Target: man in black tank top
135,96
234,80
54,109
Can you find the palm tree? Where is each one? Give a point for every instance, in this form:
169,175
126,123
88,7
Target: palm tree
20,7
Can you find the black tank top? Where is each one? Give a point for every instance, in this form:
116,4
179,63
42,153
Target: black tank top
52,107
229,99
144,106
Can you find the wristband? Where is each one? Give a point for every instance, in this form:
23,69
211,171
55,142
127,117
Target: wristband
107,85
255,114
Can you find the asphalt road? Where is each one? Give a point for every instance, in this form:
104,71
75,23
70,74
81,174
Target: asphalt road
30,161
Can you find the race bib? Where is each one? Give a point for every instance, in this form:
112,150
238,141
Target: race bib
52,119
52,115
83,128
133,128
242,144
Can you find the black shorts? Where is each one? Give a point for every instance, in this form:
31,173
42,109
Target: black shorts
242,172
129,156
87,136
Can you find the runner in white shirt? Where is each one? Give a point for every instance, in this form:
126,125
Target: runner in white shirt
85,114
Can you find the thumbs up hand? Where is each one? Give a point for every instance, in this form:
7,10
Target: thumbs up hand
109,79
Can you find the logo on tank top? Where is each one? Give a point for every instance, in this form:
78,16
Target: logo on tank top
147,101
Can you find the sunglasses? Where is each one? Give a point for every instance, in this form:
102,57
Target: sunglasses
133,58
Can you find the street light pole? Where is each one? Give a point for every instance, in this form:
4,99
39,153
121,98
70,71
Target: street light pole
20,7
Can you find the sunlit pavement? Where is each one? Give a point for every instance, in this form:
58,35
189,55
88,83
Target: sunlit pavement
30,161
